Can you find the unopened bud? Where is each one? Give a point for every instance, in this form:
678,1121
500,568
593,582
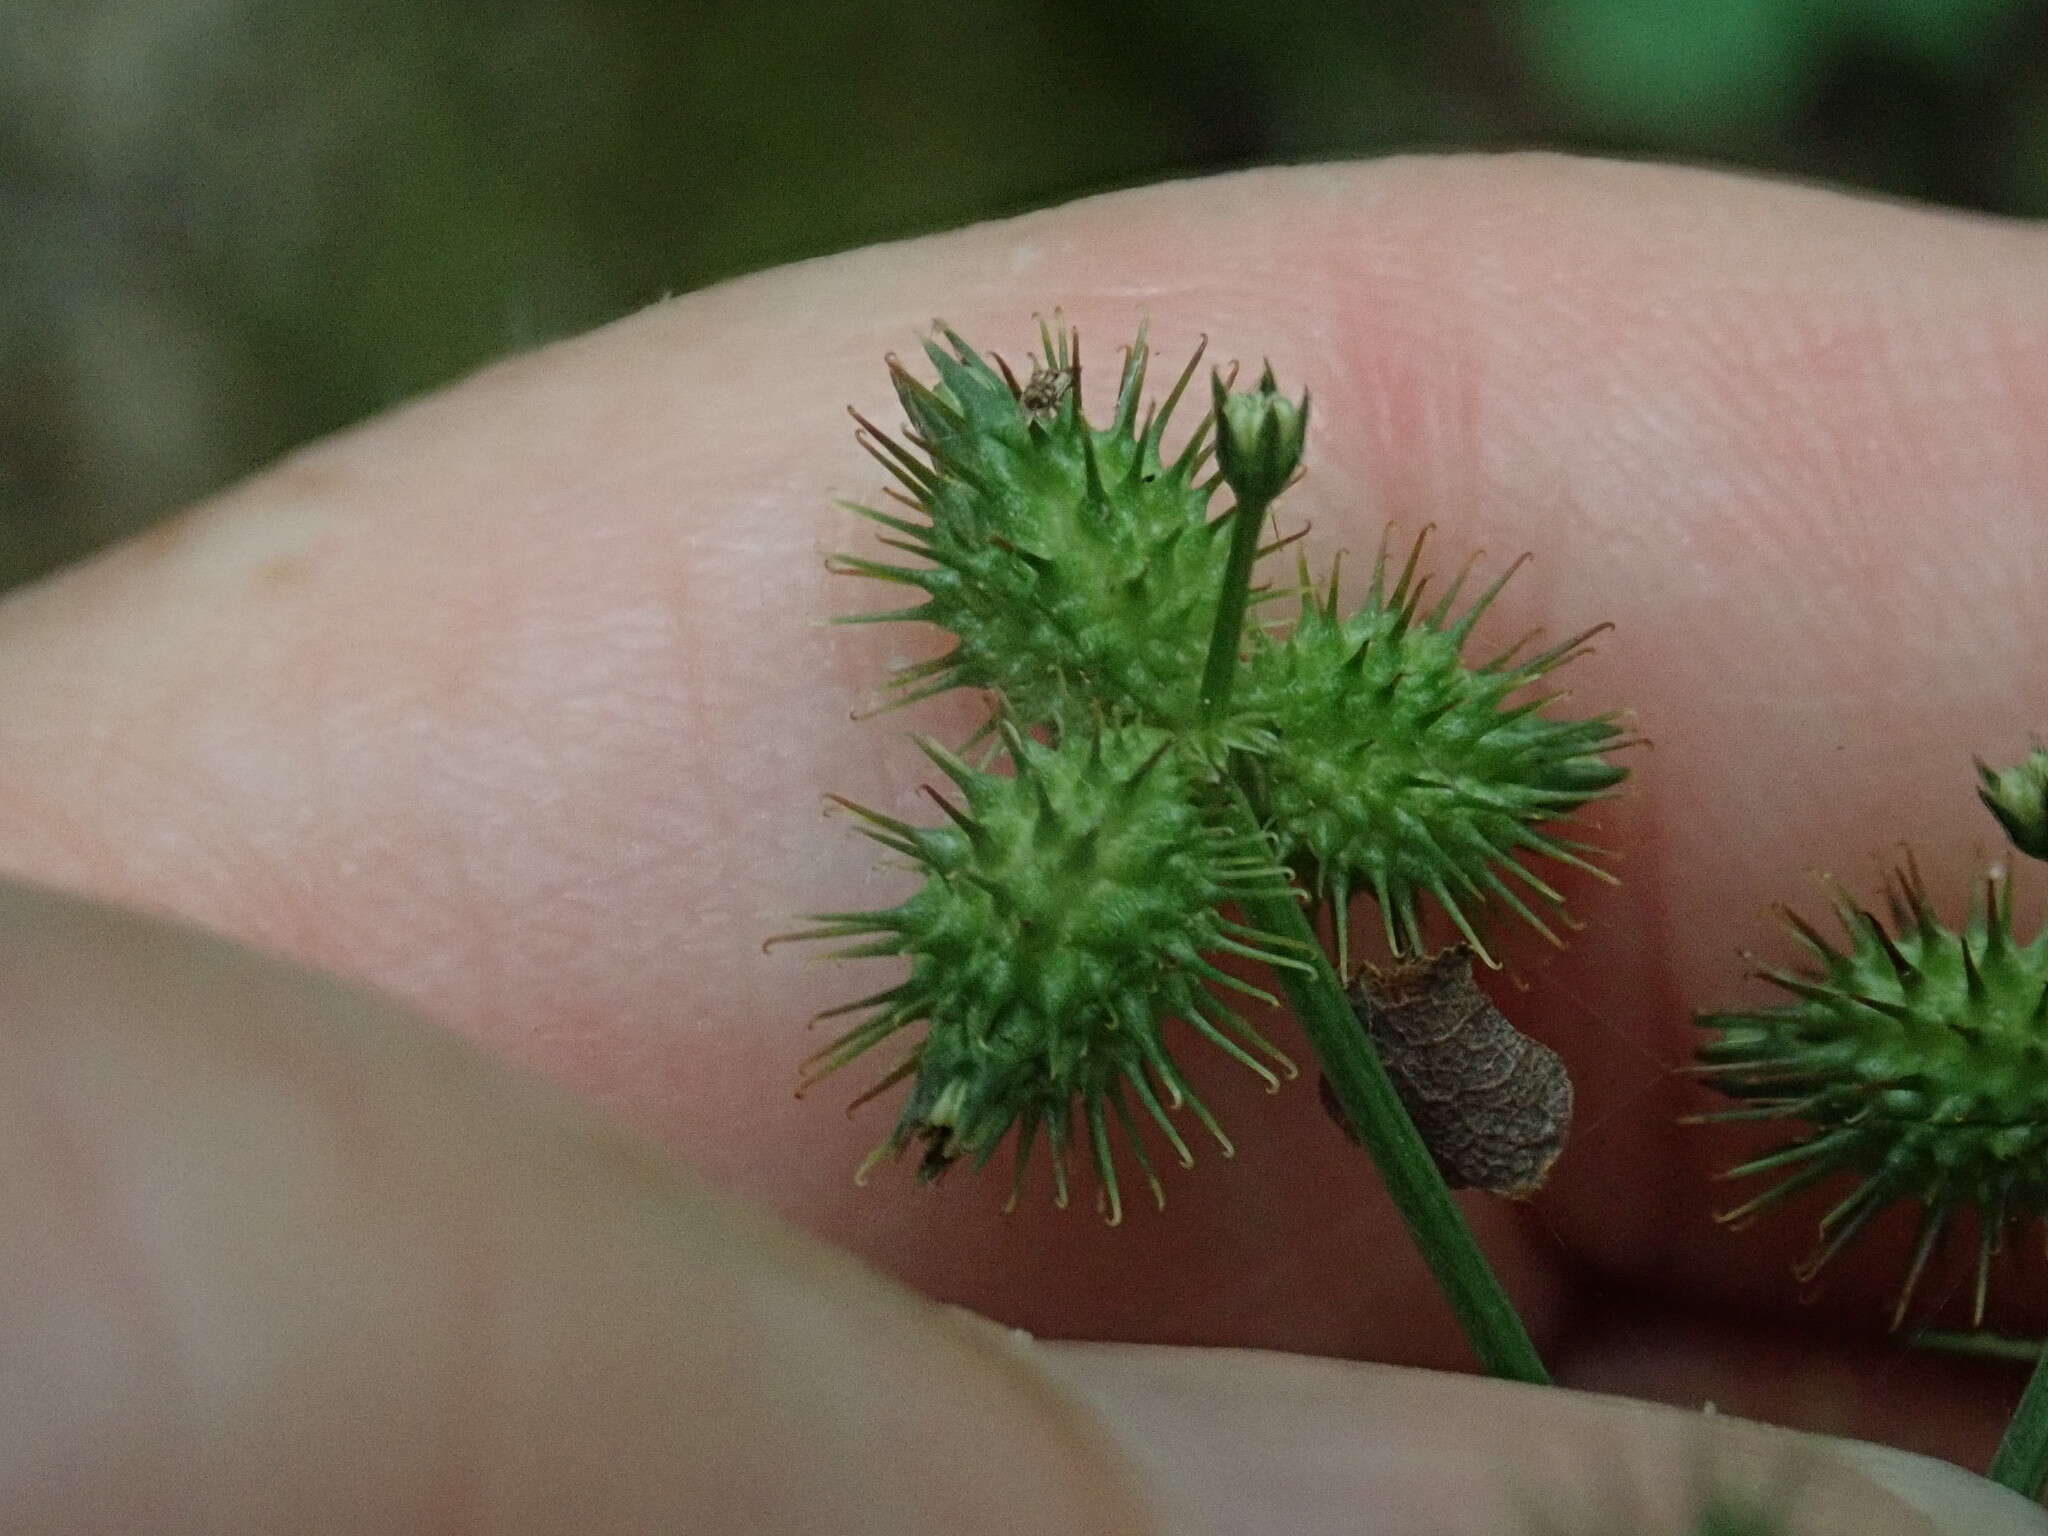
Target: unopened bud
2018,797
1258,438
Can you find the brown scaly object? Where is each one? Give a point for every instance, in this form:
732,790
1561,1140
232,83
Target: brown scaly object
1493,1106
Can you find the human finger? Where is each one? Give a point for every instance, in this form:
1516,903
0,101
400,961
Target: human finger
511,702
277,1256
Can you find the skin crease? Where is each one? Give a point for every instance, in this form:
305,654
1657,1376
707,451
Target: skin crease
513,704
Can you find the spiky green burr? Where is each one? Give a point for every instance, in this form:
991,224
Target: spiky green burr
1080,576
1066,917
1074,567
1917,1056
1091,596
1388,766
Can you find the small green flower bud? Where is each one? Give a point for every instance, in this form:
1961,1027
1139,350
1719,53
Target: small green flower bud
2018,797
1258,438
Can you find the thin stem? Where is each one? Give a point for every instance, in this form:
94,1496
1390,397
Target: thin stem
1362,1086
1356,1075
1220,671
1986,1346
2022,1460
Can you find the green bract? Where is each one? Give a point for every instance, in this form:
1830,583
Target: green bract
1918,1055
1065,917
1391,767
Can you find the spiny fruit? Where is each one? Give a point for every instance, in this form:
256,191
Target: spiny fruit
1072,565
1918,1056
1388,766
1069,911
1066,914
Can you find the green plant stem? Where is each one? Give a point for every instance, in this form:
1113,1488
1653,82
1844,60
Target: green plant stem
2022,1460
1357,1077
1219,672
1984,1346
1360,1082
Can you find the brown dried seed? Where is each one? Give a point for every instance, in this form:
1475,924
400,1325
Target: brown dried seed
1492,1105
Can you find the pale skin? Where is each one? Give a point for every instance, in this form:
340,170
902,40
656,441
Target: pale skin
511,711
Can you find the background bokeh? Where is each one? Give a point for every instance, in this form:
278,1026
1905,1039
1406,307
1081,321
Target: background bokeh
230,225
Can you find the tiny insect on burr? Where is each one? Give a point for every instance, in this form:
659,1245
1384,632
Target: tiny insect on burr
1044,390
1493,1106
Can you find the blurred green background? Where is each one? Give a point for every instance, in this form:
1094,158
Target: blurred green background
227,226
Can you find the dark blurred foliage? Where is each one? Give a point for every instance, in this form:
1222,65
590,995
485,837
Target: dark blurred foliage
227,226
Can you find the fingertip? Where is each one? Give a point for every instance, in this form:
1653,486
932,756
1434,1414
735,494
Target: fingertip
276,1256
1238,1440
